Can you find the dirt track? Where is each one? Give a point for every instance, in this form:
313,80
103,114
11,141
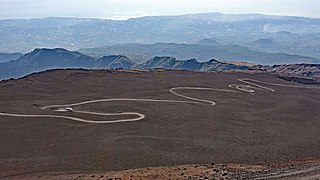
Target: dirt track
241,128
64,108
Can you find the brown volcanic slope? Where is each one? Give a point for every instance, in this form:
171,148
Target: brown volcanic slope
241,128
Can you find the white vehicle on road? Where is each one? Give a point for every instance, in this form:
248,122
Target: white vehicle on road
69,109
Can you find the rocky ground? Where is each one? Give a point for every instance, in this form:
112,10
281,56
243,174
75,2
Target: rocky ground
307,169
242,128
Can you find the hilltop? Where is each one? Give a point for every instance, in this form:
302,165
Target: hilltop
45,59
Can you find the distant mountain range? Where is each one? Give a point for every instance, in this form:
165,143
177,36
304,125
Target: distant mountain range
45,59
291,35
142,52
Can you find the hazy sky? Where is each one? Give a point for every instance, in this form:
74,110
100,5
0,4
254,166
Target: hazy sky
122,9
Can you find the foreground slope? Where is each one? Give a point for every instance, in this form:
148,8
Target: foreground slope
307,169
241,127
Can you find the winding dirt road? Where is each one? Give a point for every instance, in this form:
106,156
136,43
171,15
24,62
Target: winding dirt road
249,86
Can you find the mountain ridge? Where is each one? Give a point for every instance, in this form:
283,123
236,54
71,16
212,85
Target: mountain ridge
46,59
191,64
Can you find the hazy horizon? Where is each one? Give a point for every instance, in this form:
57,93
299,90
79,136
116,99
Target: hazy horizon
125,9
124,18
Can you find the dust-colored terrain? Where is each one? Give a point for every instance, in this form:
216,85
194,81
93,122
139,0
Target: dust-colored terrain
241,128
306,169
